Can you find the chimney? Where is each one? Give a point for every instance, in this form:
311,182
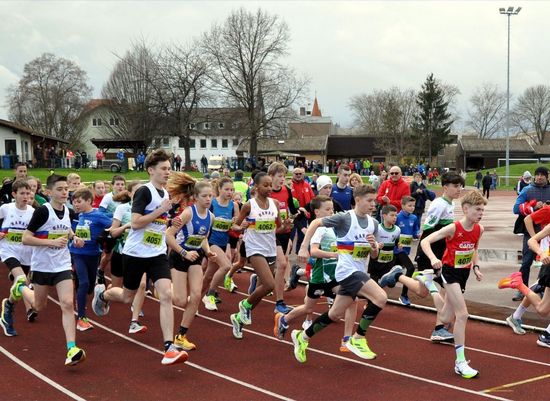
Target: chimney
302,111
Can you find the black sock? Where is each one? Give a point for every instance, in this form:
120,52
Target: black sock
9,302
167,345
439,327
368,316
210,292
318,324
183,330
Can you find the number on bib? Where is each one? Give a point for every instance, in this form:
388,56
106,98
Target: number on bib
152,238
361,251
15,236
385,256
463,259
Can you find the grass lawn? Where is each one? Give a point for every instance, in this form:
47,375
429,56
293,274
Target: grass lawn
516,171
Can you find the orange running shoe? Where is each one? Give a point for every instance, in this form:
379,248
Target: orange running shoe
514,280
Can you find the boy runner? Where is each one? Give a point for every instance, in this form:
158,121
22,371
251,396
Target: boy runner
461,242
355,239
49,232
145,252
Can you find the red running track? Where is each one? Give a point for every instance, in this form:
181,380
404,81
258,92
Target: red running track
260,367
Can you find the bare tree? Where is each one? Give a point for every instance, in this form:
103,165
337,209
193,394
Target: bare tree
488,110
50,96
388,115
531,113
246,52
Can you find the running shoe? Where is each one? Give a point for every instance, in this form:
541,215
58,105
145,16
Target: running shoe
253,283
182,342
74,356
281,307
306,324
229,284
544,339
6,319
83,324
300,346
217,298
140,314
245,314
136,327
390,278
360,347
280,329
330,302
209,302
344,345
514,280
100,277
463,369
294,277
237,326
425,277
404,299
100,308
442,335
174,355
515,324
31,315
15,290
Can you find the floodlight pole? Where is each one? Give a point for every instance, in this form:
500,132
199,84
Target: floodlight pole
508,12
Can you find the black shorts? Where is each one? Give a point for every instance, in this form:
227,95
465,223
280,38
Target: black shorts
377,270
314,291
283,240
242,250
106,242
544,276
12,263
270,259
233,241
156,268
352,284
50,279
175,261
117,265
450,275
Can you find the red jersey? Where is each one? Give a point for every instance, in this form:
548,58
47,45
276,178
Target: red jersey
542,216
460,249
283,197
97,201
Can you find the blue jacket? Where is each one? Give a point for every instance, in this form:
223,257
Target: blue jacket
532,192
408,224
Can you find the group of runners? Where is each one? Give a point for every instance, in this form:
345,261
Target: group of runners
189,238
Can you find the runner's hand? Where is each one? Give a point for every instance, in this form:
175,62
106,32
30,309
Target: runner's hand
303,255
78,242
211,256
60,242
479,275
436,263
191,256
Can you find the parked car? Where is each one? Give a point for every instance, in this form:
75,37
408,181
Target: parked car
215,163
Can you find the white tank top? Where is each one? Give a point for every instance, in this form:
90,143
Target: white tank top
50,259
149,241
353,248
15,223
259,238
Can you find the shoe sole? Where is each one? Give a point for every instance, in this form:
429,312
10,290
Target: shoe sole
181,358
237,331
514,327
351,348
84,329
392,271
79,360
466,376
5,329
142,330
543,344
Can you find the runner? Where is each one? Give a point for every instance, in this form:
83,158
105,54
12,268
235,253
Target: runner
49,232
145,252
355,232
188,242
461,240
16,256
263,216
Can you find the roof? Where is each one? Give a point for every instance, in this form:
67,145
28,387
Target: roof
352,146
316,111
21,128
316,144
132,144
95,103
542,150
474,144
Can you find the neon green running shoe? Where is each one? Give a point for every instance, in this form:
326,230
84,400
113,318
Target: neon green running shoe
74,356
360,348
300,346
228,284
15,290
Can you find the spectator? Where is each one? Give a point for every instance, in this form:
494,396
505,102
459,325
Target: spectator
99,156
204,164
494,180
6,190
486,183
479,177
177,163
420,194
301,191
120,155
391,191
341,191
140,159
524,181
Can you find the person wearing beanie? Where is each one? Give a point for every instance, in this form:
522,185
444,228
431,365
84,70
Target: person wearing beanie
524,181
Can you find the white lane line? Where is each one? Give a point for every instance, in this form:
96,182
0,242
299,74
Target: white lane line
191,364
427,339
39,375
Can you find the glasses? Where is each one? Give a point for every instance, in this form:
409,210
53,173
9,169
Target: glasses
298,173
395,173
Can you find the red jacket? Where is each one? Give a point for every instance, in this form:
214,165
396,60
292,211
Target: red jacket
394,191
302,191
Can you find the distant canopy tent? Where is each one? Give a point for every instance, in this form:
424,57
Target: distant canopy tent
279,154
129,145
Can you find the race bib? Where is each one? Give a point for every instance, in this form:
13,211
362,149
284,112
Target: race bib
283,214
15,236
152,238
265,226
194,241
221,224
385,256
405,240
361,251
463,259
83,232
54,234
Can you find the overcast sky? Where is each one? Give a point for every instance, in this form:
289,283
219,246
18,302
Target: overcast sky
346,48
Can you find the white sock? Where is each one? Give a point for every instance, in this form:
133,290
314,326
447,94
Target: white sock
518,313
548,329
301,271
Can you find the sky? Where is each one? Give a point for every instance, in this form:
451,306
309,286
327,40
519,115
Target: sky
346,48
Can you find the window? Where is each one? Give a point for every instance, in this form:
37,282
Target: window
203,143
221,125
166,141
94,122
181,142
99,122
206,125
192,126
235,142
225,143
192,144
111,121
214,143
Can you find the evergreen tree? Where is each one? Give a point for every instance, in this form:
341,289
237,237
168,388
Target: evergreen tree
432,121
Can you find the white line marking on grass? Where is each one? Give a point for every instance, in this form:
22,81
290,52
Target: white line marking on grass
39,375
